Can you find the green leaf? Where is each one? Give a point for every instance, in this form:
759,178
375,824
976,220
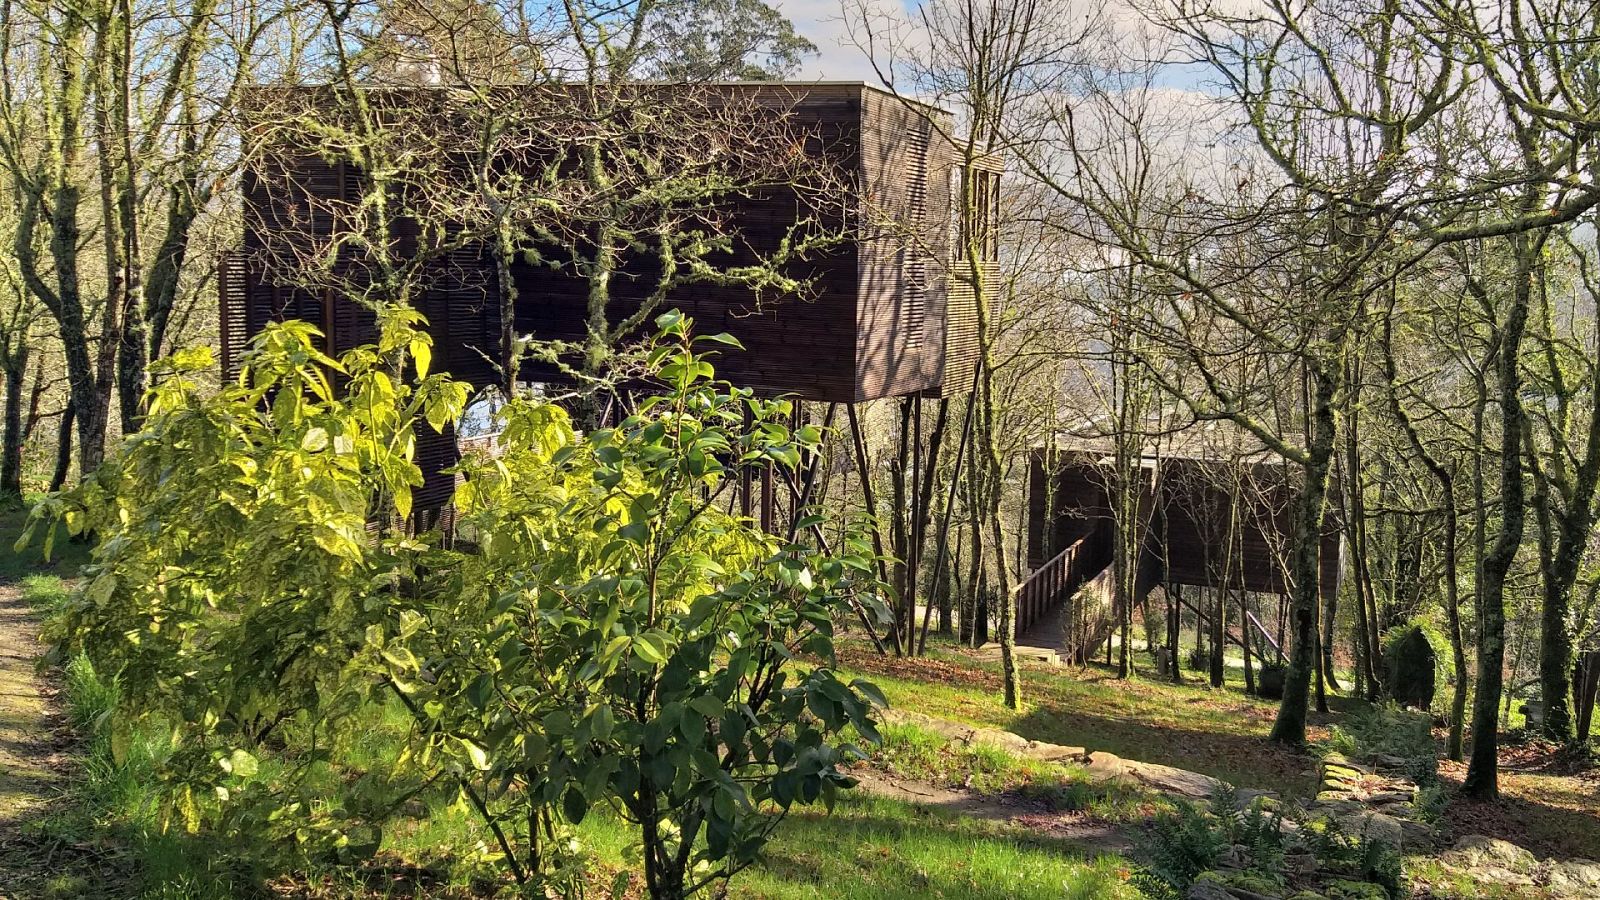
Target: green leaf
602,721
480,759
242,764
651,648
871,692
481,691
707,705
574,805
422,355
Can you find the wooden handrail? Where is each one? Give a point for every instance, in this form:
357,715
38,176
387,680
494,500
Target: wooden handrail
1047,584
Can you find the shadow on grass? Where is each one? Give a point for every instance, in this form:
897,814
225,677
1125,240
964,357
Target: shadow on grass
1246,761
1221,733
885,849
66,557
1546,829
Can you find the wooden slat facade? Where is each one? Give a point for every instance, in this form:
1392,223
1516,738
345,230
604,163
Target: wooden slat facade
872,322
1194,501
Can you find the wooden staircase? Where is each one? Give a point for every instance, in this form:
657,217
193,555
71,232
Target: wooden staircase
1051,586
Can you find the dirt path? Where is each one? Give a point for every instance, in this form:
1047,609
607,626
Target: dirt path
28,761
32,764
1093,838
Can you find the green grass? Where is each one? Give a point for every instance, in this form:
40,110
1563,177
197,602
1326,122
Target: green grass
66,555
875,849
912,752
866,848
1218,732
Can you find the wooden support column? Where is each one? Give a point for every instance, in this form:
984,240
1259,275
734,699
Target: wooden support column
745,500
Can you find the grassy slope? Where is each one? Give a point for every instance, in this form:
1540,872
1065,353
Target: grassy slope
872,848
879,847
1217,732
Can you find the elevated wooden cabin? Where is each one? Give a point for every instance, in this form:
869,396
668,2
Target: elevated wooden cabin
1210,522
879,313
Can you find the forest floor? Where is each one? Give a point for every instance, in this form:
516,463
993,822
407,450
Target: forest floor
37,758
1550,801
931,820
1218,732
30,764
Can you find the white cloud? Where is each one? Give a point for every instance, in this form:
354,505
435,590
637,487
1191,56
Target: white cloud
823,23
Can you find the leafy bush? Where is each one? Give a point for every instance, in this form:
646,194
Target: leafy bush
614,636
1182,844
1443,663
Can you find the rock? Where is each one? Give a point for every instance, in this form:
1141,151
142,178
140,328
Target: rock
1374,826
1574,877
1173,780
1336,804
1300,864
1417,834
1269,681
1378,798
1479,852
1205,890
1057,753
1235,857
1246,796
1336,771
1239,885
1392,763
1103,766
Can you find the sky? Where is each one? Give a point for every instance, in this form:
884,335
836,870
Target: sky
822,22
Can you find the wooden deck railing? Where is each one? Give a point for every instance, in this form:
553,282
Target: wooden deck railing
1055,581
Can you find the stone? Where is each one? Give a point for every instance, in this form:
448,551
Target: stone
1374,826
1412,665
1205,890
1246,796
1417,834
1103,766
1300,863
1163,661
1337,804
1172,780
1533,714
1574,877
1242,885
1480,852
1391,762
1235,857
1341,772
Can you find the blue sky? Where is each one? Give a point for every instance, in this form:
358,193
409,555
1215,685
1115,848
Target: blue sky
820,21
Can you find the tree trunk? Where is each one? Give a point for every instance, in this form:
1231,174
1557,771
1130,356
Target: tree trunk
58,479
1244,642
1483,768
1219,632
1174,624
16,375
1290,725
